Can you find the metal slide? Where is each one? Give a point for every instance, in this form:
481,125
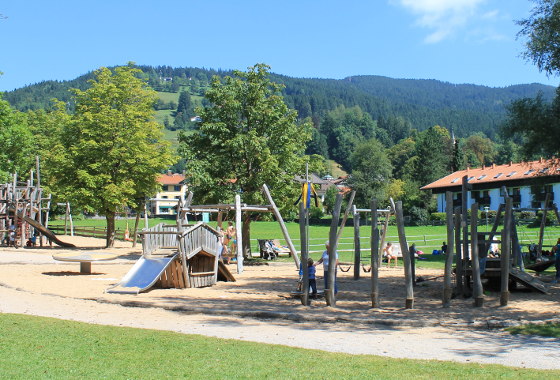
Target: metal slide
143,275
45,231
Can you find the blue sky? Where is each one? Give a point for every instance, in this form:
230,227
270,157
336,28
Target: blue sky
458,41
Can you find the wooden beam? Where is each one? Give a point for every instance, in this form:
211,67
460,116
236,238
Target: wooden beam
374,256
505,254
303,213
541,229
475,263
409,304
330,294
357,252
238,230
346,213
282,225
447,283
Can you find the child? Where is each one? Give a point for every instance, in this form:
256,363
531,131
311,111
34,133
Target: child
311,270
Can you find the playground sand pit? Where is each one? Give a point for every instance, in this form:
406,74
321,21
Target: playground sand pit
264,291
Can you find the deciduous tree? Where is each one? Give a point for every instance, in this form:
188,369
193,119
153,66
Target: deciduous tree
113,148
247,137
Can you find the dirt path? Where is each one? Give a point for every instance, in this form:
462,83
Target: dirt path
32,283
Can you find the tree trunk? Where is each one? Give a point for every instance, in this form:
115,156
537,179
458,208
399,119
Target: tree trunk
110,238
246,233
135,232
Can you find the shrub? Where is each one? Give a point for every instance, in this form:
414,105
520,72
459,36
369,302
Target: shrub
438,217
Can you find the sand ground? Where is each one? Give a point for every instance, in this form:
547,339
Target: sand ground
258,307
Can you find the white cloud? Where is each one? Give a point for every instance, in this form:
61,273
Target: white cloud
443,17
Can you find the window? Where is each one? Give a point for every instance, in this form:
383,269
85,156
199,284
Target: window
498,175
164,188
512,173
177,187
543,170
528,172
468,179
177,197
455,180
164,197
481,177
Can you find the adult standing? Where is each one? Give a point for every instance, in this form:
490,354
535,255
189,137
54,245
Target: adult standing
325,261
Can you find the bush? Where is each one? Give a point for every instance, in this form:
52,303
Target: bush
438,217
418,216
316,213
550,219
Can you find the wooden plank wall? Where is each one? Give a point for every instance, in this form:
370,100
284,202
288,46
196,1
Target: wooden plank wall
202,270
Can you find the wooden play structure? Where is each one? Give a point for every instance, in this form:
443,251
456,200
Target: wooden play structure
472,246
24,207
176,256
239,208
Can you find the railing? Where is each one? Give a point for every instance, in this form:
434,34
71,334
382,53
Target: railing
98,232
157,237
199,237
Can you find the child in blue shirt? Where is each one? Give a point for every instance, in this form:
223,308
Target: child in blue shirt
312,280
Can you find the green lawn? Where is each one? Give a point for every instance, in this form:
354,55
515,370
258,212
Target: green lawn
547,329
427,238
35,347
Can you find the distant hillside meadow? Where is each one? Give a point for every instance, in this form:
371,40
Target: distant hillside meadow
463,108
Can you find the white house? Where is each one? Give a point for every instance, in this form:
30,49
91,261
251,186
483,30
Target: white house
526,182
173,187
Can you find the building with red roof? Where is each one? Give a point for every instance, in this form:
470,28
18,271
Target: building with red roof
173,187
527,182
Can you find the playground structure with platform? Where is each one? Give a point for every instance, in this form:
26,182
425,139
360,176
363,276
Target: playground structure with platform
25,209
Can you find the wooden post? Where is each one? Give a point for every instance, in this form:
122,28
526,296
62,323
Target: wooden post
238,230
65,217
135,232
384,235
146,224
447,285
346,213
475,263
304,254
465,250
219,220
374,256
460,272
495,226
543,223
330,295
39,199
357,252
406,257
505,256
70,218
282,225
518,255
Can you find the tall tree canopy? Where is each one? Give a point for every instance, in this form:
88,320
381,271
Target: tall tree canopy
247,137
535,125
371,172
15,142
542,30
112,149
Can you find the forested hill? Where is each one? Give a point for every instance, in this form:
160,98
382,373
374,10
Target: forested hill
464,108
